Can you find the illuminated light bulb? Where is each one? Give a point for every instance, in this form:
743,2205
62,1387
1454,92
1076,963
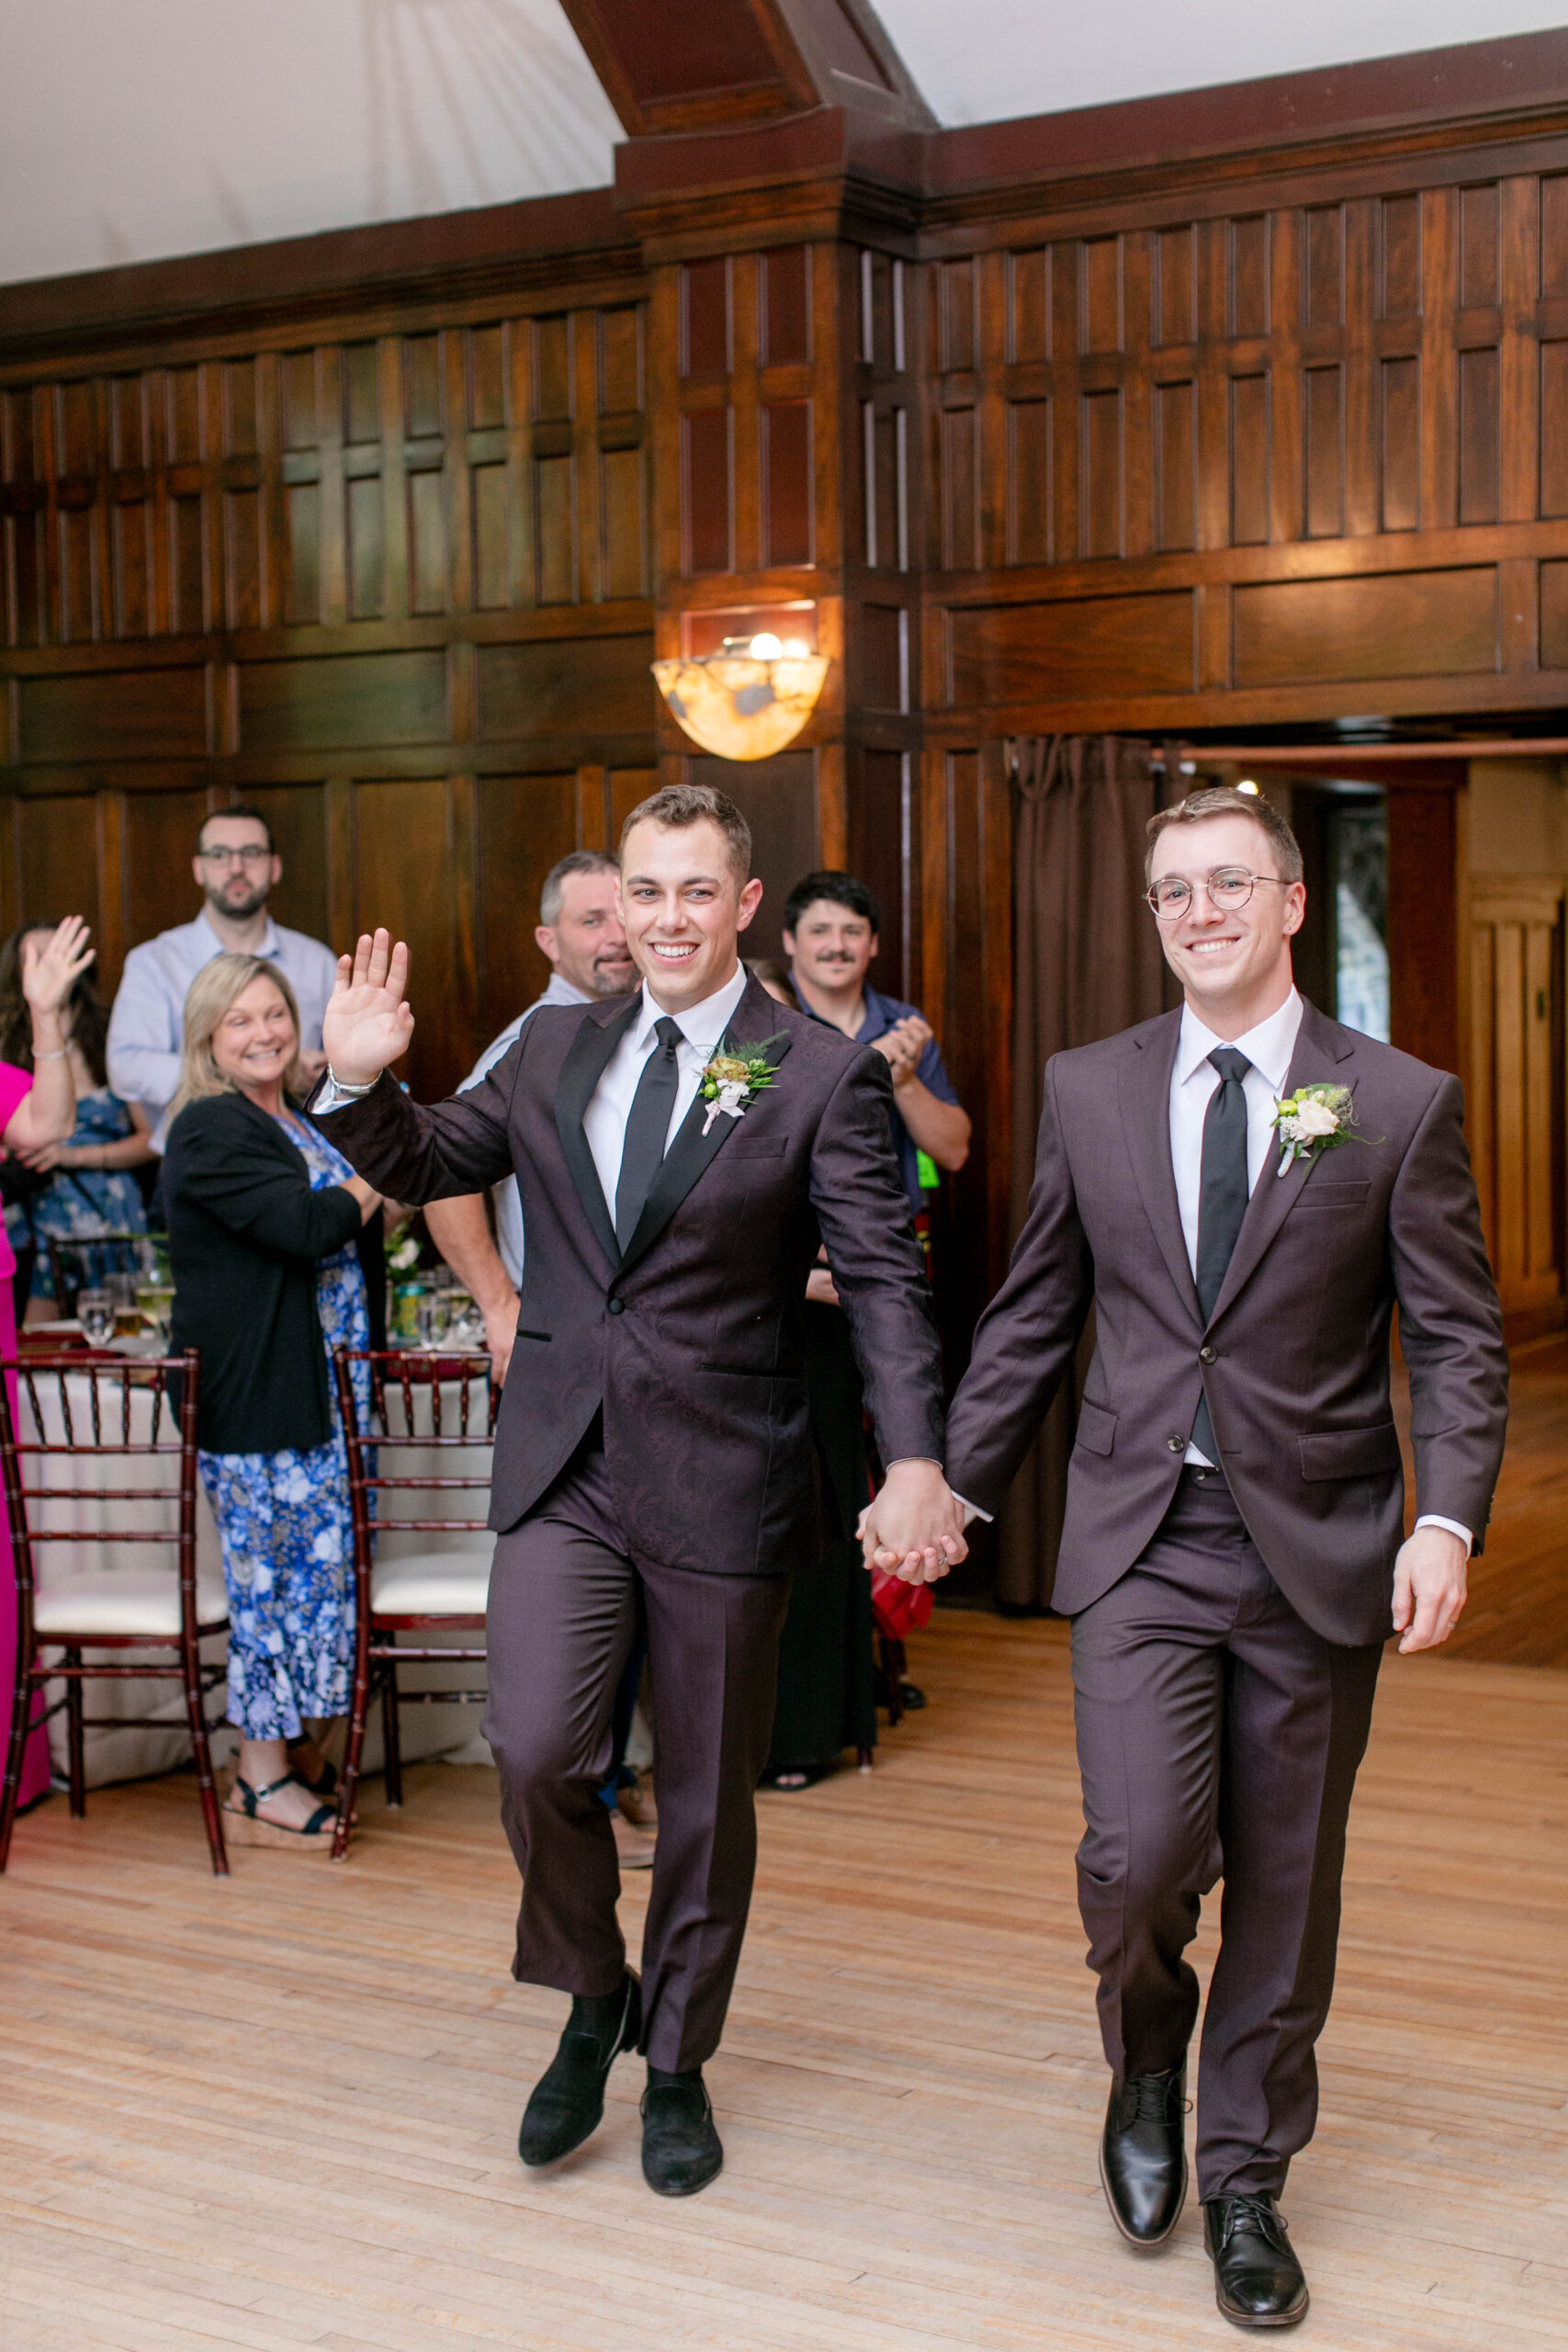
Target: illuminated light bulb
1246,784
795,649
765,647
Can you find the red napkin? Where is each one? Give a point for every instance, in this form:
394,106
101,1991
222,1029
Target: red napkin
896,1606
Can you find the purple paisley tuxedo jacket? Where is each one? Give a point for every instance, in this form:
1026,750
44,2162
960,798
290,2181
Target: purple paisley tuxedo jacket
691,1345
1294,1361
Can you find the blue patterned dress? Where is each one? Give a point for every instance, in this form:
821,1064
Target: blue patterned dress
285,1525
82,1201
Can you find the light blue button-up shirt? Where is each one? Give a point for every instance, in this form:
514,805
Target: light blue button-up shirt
147,1025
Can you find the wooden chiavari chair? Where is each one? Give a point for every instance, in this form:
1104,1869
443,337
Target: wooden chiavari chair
133,1419
419,1403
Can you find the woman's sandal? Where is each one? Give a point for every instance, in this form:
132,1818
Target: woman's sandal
243,1825
325,1784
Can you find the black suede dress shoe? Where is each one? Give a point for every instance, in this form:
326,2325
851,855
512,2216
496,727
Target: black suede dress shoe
568,2098
1143,2155
1258,2281
681,2150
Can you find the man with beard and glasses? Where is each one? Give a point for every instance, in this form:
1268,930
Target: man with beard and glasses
582,934
236,869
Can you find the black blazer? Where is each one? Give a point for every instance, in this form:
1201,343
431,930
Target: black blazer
245,1233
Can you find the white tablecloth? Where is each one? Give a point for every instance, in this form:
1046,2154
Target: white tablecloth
139,1750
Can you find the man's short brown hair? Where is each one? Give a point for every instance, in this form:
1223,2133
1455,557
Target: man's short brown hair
1223,800
697,804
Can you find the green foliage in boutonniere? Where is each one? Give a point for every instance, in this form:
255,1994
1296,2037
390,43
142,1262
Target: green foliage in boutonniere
733,1077
1314,1119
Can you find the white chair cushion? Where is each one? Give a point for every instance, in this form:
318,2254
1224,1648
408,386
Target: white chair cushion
432,1584
122,1601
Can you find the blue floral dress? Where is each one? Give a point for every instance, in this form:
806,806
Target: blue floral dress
285,1525
81,1201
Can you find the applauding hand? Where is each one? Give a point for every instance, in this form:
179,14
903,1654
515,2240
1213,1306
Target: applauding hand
366,1025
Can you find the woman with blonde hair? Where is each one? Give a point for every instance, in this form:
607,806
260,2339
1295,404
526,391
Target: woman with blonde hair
264,1216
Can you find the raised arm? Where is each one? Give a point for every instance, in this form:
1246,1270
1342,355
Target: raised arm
47,1113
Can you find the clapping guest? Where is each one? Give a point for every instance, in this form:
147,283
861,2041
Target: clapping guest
264,1221
84,1185
38,1105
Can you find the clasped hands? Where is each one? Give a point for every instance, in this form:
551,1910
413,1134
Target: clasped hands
368,1025
915,1528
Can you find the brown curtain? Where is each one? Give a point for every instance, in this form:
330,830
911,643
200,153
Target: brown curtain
1086,963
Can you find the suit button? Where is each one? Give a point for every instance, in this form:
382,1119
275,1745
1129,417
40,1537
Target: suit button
617,1306
1205,1355
1176,1444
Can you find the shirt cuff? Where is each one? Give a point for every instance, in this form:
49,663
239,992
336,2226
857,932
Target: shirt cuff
970,1511
332,1096
1432,1519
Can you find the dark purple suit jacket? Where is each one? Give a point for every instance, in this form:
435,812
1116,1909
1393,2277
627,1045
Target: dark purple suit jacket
690,1344
1296,1358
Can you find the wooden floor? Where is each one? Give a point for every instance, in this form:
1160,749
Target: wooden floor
1517,1614
282,2112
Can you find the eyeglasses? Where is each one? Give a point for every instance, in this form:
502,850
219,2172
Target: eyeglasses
1229,887
253,853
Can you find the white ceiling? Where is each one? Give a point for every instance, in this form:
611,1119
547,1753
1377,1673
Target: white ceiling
988,60
133,129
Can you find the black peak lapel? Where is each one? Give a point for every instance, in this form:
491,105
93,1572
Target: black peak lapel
1320,1045
693,1150
1144,1088
586,1055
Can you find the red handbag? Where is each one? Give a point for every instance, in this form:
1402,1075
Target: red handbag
898,1606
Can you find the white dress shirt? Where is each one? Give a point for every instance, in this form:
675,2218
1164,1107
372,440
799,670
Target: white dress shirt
505,1196
147,1025
1193,1080
702,1028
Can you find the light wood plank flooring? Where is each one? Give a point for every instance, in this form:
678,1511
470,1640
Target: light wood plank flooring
281,2112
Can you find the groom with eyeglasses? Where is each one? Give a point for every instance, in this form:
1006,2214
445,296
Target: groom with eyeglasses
1233,1558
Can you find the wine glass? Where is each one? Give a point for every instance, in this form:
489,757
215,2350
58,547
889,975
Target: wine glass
155,1297
95,1312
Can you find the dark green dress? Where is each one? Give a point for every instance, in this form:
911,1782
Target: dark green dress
827,1699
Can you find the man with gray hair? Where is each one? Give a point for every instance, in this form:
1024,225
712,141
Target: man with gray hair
579,931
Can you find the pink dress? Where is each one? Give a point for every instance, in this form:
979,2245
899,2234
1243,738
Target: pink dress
14,1084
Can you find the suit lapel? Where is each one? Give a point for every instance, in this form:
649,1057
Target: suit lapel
590,1050
1320,1045
1144,1087
691,1152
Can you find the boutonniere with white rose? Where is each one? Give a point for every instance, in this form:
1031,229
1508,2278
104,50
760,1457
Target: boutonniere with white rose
1314,1119
735,1078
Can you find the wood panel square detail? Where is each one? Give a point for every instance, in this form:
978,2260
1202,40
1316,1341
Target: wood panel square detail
1052,652
342,700
146,714
539,689
1397,625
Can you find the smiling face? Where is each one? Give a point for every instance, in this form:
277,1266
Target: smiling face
587,942
683,909
831,946
255,1042
1234,966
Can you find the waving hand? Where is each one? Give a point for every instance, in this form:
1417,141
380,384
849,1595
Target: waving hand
368,1025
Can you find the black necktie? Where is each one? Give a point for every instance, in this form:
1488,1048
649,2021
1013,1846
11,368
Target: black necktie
648,1125
1222,1202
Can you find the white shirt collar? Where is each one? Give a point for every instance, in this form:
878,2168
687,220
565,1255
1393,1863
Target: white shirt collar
701,1024
1267,1047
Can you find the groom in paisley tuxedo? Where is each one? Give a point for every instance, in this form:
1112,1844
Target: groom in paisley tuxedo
1233,1558
653,1456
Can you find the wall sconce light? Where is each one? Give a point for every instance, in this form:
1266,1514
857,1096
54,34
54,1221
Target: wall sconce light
748,700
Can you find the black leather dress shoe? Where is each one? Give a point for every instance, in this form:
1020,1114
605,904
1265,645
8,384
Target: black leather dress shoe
568,2098
681,2150
1258,2281
1143,2155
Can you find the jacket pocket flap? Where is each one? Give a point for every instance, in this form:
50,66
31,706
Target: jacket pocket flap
745,1147
1097,1428
1350,1454
1335,1192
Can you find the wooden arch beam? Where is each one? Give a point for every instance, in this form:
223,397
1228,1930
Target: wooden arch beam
668,66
